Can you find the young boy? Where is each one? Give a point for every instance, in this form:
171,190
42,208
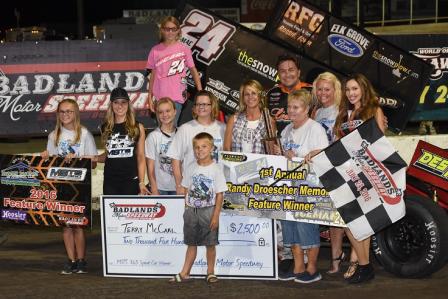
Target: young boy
203,183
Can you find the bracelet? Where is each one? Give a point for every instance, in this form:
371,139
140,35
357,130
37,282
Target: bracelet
142,183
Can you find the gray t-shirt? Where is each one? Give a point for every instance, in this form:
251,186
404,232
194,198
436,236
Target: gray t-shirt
182,146
203,183
156,146
85,147
327,117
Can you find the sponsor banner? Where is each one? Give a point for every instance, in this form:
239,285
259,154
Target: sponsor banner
433,100
317,34
430,164
365,178
229,54
36,77
271,187
45,193
143,237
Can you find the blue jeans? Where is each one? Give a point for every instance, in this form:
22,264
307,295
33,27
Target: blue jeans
306,235
178,111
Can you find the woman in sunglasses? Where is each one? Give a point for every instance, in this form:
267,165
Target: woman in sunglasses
168,62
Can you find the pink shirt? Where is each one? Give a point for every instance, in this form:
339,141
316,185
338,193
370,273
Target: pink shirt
170,63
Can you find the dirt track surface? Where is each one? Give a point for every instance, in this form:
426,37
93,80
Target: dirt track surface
31,259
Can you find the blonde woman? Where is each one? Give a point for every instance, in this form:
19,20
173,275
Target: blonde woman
124,140
246,128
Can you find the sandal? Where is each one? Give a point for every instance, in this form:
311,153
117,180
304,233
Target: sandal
337,261
179,279
351,270
211,278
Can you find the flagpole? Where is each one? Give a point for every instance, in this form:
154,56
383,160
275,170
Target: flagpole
288,173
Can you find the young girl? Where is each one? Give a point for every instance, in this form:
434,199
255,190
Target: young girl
246,129
360,103
168,61
124,140
160,170
71,140
205,112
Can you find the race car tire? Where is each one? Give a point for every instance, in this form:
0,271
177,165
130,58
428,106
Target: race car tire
417,245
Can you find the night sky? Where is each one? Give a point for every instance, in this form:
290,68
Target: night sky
62,15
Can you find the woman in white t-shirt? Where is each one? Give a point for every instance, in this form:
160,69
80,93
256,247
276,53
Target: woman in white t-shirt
71,140
327,90
160,169
246,128
302,138
205,112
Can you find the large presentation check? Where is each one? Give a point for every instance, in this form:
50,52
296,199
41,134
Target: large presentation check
143,237
49,192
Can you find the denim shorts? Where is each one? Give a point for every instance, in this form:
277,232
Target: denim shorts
165,192
306,235
197,230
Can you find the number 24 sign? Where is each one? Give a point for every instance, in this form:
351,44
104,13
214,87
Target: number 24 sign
206,38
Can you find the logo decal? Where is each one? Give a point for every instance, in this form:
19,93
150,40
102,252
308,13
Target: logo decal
138,212
433,164
345,45
20,173
378,175
67,174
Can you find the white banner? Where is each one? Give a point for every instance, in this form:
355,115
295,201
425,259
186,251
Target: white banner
273,187
143,237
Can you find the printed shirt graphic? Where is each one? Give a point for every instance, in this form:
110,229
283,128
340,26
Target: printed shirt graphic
310,136
170,64
182,147
327,117
121,160
203,183
156,146
85,146
119,146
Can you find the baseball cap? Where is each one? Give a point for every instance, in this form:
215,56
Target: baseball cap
119,93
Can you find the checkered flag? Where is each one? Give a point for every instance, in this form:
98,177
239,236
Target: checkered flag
366,179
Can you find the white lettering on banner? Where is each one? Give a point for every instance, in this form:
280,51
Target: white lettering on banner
44,84
397,67
11,105
206,38
153,247
438,57
352,34
89,95
257,66
39,84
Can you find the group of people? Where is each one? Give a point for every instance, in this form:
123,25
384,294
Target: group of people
183,160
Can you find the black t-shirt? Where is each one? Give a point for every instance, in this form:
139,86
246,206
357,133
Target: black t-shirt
277,98
121,160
